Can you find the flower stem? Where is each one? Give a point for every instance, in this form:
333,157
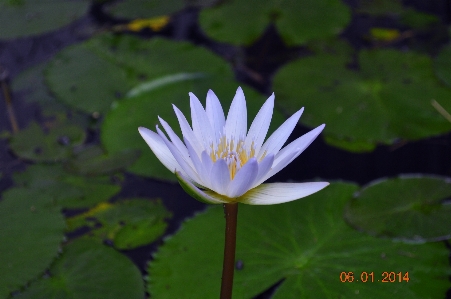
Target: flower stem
228,267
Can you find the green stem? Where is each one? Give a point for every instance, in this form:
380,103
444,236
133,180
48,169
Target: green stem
228,267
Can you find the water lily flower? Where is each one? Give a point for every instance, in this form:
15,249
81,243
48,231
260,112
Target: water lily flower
217,162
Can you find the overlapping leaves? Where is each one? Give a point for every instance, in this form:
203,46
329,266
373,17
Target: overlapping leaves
388,97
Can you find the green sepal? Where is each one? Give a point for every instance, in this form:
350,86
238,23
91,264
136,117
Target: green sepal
197,193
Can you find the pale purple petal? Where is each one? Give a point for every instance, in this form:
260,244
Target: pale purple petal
215,114
243,179
236,123
201,125
160,149
260,125
264,166
200,169
182,162
207,162
277,167
174,139
275,193
187,132
220,177
191,189
280,136
298,145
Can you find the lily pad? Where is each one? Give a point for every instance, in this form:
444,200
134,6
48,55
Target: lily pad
92,75
423,203
92,160
387,98
305,245
135,9
20,18
30,239
120,129
296,21
34,144
128,223
62,189
442,65
89,270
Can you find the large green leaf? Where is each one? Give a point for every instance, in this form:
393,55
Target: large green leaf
387,98
127,223
306,245
30,237
61,189
88,270
92,75
442,65
417,200
31,17
120,129
134,9
34,144
92,160
242,22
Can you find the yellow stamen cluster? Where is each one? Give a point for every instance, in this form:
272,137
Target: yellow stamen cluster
233,152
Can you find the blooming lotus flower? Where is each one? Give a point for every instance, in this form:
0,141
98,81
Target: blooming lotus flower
217,162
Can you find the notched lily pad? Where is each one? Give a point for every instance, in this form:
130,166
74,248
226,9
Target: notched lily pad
92,75
30,239
296,21
88,270
386,99
305,245
93,160
19,18
65,190
127,223
411,208
56,145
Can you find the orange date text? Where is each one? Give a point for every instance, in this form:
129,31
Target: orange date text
373,277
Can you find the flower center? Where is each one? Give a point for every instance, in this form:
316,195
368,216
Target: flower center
233,152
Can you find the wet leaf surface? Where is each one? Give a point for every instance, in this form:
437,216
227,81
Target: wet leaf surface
386,99
31,17
305,244
30,239
420,201
297,22
127,223
88,270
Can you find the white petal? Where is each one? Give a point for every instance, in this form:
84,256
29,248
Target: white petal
215,114
220,177
207,162
160,149
264,166
243,179
200,195
236,123
276,168
179,158
187,132
200,169
175,139
298,145
260,125
269,194
280,136
201,124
